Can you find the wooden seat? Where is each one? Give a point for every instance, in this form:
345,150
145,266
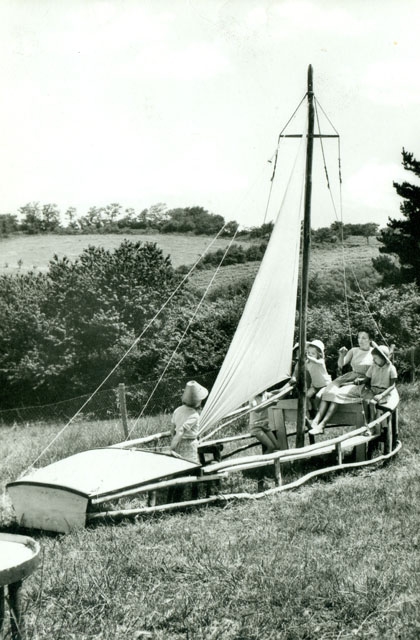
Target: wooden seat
346,414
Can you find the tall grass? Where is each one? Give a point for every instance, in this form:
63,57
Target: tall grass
337,559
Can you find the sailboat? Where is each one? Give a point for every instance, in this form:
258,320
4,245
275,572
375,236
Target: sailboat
72,492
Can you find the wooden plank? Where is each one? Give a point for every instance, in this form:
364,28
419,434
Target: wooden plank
123,408
279,424
100,472
144,440
161,484
290,454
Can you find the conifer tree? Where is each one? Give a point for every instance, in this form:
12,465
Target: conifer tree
402,237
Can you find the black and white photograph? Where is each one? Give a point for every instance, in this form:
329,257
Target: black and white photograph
209,320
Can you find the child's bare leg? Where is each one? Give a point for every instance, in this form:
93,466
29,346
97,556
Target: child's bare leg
268,443
323,407
272,439
310,395
330,412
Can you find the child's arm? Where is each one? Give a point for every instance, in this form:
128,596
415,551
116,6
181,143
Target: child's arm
293,379
378,398
258,401
344,358
316,360
175,442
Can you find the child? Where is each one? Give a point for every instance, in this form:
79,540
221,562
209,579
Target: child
185,422
259,425
315,366
380,379
318,376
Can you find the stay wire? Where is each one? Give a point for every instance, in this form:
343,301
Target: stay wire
276,155
339,220
346,298
123,357
193,316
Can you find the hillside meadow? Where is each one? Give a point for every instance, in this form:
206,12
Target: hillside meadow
336,559
31,252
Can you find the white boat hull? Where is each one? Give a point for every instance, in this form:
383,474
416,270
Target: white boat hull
57,497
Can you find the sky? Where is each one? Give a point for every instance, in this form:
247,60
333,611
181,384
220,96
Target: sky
181,102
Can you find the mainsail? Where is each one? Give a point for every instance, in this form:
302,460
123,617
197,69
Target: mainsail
260,353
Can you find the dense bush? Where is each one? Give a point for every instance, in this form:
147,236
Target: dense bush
62,332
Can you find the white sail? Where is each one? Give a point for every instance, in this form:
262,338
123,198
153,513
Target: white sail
261,350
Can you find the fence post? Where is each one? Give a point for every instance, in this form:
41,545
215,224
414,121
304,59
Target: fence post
123,408
413,364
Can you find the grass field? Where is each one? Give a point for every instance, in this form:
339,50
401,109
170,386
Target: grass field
354,253
36,251
28,252
336,559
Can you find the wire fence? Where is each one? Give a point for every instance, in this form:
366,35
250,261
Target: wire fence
146,398
150,397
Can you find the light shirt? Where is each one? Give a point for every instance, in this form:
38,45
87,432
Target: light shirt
381,376
359,359
318,373
186,422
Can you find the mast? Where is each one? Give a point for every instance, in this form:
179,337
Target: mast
306,247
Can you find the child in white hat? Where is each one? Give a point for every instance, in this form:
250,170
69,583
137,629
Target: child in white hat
317,374
185,422
316,368
380,380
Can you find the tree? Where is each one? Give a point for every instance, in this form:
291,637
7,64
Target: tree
50,218
8,224
93,220
369,229
31,214
402,237
71,215
112,212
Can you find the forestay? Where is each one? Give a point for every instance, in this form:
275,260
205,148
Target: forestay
261,350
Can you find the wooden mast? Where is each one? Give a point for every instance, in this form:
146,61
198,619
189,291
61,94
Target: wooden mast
306,246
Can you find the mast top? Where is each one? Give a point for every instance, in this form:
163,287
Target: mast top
310,79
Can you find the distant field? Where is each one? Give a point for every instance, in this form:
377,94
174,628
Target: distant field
356,252
36,251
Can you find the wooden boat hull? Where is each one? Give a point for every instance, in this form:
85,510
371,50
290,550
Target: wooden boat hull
57,497
39,506
63,496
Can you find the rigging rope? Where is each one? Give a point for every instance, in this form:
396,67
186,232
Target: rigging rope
123,357
364,300
197,308
187,275
341,228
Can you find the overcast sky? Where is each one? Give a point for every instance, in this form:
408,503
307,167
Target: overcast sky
181,101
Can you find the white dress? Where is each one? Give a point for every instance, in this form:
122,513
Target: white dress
342,390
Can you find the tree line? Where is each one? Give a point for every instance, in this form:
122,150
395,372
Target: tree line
34,219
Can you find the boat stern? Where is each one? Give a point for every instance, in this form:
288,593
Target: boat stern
39,506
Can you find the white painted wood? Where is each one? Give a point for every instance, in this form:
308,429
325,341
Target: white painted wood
103,471
48,508
19,556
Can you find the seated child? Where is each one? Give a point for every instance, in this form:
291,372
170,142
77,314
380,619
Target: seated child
380,379
259,425
318,376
